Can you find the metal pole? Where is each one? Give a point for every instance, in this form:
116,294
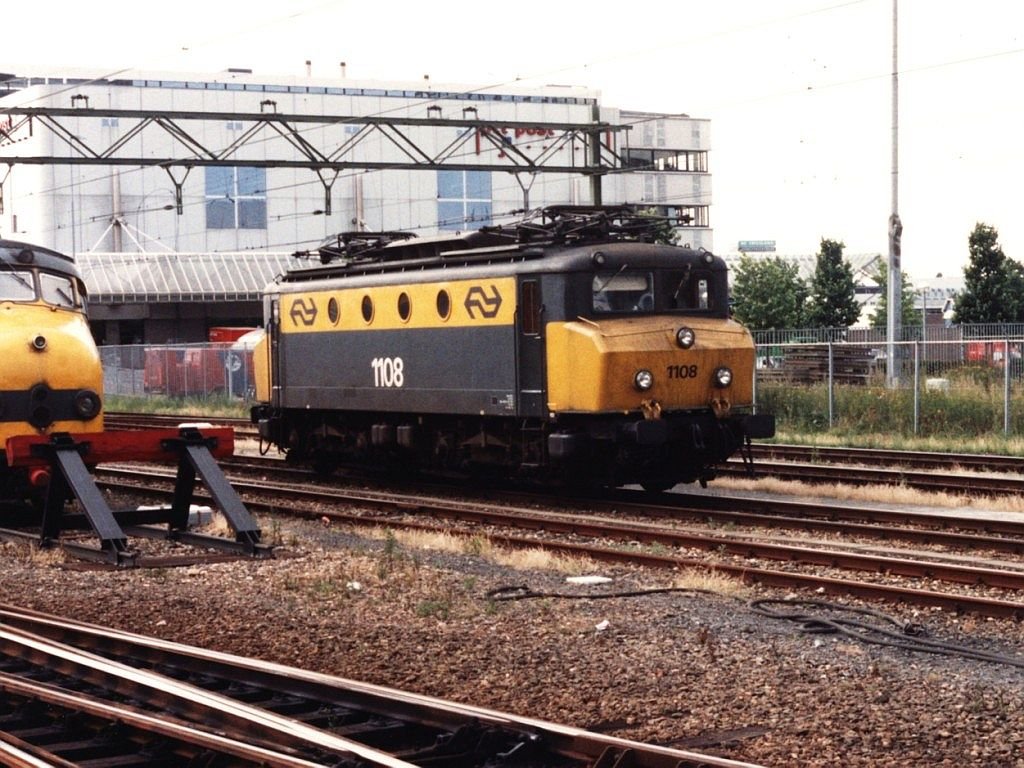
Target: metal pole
917,386
595,157
831,382
753,391
895,226
1006,387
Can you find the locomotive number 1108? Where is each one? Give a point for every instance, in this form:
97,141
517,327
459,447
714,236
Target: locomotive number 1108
388,371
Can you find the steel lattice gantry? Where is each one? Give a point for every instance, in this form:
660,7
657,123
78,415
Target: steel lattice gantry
285,142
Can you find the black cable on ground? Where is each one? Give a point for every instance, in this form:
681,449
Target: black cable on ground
523,592
888,631
908,637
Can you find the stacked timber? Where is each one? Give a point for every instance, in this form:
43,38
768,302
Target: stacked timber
808,364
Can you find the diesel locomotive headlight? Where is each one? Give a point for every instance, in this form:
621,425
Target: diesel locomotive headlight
723,377
87,404
685,337
643,380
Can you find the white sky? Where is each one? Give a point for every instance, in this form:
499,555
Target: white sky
798,91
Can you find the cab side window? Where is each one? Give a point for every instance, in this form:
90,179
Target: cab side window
691,290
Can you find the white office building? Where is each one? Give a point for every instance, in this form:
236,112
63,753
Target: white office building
266,202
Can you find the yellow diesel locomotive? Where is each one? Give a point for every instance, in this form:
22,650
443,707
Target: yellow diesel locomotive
569,345
52,377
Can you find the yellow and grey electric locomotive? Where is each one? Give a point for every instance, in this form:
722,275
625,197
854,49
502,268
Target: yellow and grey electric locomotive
52,377
568,345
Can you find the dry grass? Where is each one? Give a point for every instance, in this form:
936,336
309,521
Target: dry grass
520,559
883,494
711,581
543,560
40,556
993,444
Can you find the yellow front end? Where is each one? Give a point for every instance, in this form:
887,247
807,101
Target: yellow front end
51,375
592,365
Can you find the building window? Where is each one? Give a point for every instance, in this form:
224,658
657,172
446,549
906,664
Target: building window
463,199
236,198
692,161
692,215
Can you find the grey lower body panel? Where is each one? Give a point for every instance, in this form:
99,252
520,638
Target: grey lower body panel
465,370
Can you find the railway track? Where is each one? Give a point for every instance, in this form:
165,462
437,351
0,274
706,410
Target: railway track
745,553
887,457
987,474
115,420
958,483
75,694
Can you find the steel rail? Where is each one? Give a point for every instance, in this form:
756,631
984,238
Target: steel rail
572,743
185,699
853,475
568,525
120,716
984,462
635,531
818,516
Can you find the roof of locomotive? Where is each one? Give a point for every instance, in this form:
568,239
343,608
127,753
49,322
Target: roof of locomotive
504,261
380,258
14,252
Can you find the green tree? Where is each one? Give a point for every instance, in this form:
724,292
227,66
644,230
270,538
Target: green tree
833,303
992,282
768,293
662,227
909,317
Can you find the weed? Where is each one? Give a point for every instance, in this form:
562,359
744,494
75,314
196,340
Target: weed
438,608
706,640
390,555
324,587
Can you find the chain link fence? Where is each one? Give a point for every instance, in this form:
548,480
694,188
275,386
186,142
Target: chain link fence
179,370
954,382
961,380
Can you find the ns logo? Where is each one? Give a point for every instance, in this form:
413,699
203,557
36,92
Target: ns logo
479,300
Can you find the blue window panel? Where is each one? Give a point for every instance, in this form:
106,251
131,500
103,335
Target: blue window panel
450,214
252,214
252,181
478,185
478,214
220,182
450,184
220,214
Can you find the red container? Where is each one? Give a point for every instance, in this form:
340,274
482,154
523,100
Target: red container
228,333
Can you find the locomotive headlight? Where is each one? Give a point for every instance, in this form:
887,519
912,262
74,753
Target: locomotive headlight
643,380
723,377
87,404
39,343
685,337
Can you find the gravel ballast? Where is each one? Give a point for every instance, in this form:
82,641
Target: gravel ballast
686,669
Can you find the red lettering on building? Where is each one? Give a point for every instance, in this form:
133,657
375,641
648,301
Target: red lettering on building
509,135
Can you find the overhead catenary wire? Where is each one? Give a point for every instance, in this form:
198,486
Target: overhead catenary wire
684,40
